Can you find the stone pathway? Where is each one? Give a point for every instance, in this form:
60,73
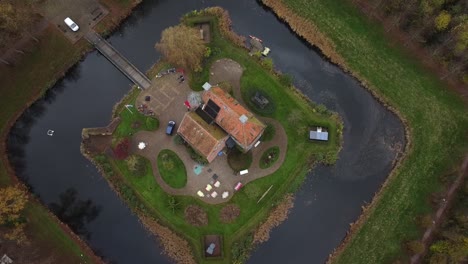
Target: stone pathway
172,108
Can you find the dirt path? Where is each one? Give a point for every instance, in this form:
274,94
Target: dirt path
442,212
223,70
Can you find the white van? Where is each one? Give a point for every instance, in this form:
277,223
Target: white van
72,25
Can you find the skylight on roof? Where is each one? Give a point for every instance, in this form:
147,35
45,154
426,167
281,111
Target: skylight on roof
243,119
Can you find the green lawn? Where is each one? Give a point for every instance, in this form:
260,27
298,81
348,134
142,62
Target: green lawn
146,195
132,120
49,232
437,120
172,169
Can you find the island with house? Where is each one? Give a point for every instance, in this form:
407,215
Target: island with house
209,156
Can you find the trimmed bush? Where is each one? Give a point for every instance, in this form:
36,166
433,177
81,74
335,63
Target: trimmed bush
238,160
269,133
197,157
269,157
178,140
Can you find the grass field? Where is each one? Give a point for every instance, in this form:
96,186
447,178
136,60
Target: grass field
172,169
300,154
46,230
437,120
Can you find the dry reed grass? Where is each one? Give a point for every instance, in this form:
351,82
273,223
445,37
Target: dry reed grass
277,216
174,246
306,30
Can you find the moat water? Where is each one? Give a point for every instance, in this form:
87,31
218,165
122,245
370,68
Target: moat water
328,201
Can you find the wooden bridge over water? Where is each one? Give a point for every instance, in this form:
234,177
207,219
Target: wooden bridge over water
119,61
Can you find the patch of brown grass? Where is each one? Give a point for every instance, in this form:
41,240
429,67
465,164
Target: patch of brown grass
196,216
229,213
307,30
276,217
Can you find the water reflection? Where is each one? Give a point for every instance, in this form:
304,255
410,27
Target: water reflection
74,212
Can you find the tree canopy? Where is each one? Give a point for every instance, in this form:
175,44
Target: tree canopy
439,26
182,46
442,20
12,203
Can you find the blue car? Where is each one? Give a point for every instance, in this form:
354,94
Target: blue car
170,127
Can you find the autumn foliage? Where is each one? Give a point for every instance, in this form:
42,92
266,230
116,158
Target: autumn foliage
122,149
13,200
174,246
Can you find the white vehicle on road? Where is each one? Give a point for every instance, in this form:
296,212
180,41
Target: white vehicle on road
71,24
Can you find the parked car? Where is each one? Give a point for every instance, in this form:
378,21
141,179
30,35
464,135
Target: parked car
71,24
238,186
170,127
266,51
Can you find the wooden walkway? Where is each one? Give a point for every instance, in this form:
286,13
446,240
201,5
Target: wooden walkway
118,60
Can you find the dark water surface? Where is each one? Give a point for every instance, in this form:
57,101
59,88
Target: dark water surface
328,201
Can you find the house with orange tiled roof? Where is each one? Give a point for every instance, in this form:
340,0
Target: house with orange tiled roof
207,139
243,127
220,112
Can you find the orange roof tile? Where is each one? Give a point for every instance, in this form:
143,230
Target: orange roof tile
202,136
229,114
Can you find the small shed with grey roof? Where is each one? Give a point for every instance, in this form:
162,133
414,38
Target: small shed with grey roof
318,133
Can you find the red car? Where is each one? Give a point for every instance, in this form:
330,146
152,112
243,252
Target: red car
238,186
